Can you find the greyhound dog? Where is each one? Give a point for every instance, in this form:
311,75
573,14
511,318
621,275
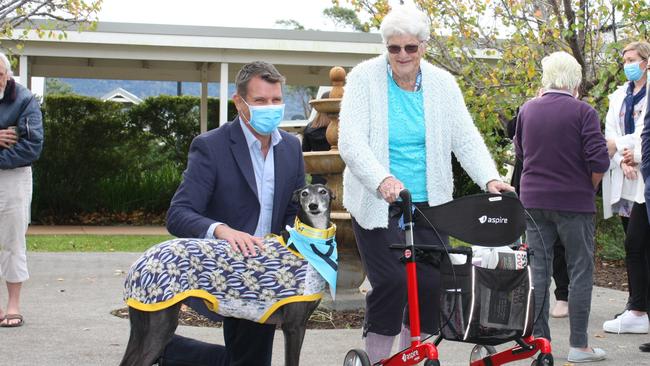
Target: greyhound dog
281,285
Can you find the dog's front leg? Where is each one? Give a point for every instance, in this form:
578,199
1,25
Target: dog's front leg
150,333
294,334
294,322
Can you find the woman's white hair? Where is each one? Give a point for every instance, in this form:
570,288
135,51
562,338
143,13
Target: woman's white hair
405,20
560,70
6,63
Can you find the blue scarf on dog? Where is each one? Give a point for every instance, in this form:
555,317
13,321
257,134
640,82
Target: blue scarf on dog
318,247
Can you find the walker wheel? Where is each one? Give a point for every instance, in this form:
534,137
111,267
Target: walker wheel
480,352
356,357
544,359
432,363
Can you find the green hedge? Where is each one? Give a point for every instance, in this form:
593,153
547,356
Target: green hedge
83,145
101,157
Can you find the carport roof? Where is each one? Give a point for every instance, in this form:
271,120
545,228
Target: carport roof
176,52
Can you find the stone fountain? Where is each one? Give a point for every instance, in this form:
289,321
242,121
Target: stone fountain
330,165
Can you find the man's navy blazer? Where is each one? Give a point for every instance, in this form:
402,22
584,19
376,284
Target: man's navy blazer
219,184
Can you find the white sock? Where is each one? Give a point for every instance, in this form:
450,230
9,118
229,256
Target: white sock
405,337
378,346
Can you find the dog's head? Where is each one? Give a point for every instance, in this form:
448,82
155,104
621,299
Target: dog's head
314,200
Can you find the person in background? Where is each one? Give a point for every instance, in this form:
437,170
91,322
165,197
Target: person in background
623,185
564,157
21,143
397,109
314,133
560,274
313,138
238,187
645,162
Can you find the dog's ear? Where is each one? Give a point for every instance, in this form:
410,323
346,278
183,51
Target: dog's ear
295,198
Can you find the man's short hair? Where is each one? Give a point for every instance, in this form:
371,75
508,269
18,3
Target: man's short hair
5,62
264,70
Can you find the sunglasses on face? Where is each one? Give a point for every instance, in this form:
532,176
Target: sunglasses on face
409,48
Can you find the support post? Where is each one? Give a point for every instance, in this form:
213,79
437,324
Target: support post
204,97
24,72
223,94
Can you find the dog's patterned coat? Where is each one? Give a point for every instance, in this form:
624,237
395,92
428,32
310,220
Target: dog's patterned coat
232,285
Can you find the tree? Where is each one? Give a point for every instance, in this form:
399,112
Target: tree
303,93
59,14
495,48
345,17
56,86
290,24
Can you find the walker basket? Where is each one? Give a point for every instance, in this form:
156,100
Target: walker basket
485,306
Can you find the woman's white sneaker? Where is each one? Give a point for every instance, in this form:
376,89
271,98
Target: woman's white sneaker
627,323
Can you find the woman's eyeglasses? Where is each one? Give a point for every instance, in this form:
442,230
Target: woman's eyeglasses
409,48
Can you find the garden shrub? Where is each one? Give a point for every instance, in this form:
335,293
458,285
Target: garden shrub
101,157
173,122
83,140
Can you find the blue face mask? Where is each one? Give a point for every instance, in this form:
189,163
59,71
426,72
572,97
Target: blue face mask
633,71
265,118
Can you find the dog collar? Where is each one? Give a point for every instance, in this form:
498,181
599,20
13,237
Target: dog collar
309,231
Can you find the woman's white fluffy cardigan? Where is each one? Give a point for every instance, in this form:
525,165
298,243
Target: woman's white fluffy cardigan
363,139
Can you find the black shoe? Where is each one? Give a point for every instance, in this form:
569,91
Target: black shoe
645,347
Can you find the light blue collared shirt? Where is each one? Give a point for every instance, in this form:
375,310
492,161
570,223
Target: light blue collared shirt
264,169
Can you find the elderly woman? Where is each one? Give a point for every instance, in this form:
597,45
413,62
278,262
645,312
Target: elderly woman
401,118
623,185
565,155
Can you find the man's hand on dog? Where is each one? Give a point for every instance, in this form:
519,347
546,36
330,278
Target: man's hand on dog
389,188
239,240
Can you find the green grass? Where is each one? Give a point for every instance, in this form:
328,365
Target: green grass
93,243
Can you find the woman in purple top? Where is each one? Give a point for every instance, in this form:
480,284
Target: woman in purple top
558,138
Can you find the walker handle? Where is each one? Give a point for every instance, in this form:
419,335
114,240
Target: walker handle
405,195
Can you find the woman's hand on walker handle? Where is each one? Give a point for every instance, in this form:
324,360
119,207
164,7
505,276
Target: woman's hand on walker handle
497,186
389,188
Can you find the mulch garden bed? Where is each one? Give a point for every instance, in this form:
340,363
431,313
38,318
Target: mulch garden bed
611,274
320,319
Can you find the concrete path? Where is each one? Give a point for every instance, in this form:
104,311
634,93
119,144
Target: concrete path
67,304
96,230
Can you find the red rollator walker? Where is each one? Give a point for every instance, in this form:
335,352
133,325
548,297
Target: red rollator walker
483,306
